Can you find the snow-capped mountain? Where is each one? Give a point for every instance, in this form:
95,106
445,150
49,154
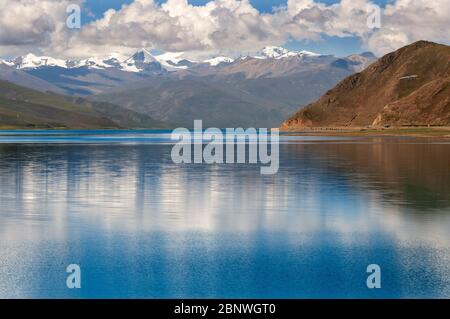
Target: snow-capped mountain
112,61
144,61
273,52
7,63
219,60
175,60
95,75
31,61
142,56
141,61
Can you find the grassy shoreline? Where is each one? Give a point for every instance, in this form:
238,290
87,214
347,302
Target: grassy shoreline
441,131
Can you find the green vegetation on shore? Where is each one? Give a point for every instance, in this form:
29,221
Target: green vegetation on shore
439,131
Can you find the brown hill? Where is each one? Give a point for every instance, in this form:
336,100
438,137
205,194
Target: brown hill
410,86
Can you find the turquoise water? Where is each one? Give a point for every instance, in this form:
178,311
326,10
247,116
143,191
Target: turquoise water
141,226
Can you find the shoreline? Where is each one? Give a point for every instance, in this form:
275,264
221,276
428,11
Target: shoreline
418,131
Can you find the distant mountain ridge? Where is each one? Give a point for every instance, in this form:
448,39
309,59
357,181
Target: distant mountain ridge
273,52
248,92
258,90
408,87
142,59
25,108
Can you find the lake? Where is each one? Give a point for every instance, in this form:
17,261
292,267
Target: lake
141,226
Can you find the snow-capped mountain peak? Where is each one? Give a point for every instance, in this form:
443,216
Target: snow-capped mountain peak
94,63
175,60
142,56
100,63
7,63
114,60
219,60
141,60
31,61
273,52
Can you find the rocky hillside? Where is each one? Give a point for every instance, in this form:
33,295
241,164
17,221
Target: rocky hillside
408,87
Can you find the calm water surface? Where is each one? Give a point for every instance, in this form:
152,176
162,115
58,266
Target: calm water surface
141,226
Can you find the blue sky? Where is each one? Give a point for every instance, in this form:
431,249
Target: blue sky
328,45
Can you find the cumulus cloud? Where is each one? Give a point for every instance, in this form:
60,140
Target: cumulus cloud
219,26
31,24
406,21
402,22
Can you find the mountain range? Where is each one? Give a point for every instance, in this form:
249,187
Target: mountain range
255,90
143,60
408,87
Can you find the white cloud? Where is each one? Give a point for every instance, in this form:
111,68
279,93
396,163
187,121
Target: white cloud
406,21
31,24
220,26
402,22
